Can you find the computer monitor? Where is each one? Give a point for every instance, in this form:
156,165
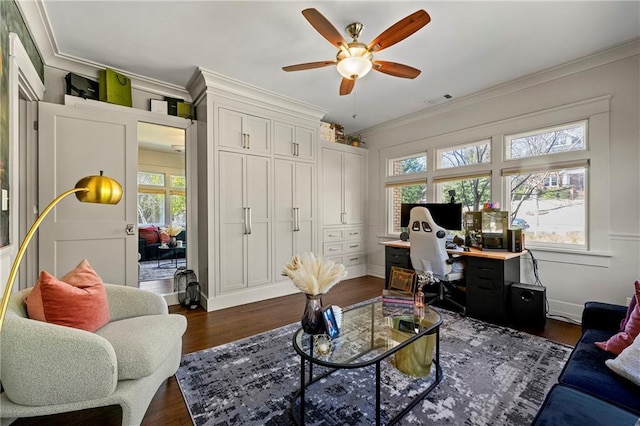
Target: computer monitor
448,216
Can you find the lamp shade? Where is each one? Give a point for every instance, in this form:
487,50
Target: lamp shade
100,189
354,62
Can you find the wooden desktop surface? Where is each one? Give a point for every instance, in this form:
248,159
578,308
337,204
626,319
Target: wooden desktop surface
499,255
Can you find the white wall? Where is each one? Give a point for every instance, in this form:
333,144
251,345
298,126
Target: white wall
571,279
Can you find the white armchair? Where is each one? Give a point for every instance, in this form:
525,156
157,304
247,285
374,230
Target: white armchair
47,368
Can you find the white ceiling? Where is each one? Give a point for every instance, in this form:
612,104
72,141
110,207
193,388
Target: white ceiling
467,46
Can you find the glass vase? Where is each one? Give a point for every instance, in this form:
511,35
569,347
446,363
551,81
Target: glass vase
312,322
173,241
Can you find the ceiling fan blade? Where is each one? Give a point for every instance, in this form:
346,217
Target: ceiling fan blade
308,66
346,86
324,27
395,69
400,30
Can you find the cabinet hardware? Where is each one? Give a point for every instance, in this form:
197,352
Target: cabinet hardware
131,229
353,258
333,249
249,219
354,245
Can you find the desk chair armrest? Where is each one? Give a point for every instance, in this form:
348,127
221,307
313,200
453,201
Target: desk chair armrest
455,259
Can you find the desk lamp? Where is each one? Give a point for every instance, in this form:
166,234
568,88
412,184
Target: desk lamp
90,189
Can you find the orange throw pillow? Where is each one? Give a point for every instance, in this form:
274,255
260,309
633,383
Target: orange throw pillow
61,304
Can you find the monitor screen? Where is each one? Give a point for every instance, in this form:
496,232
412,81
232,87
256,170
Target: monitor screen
449,216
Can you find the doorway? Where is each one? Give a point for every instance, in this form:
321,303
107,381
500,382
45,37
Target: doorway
161,205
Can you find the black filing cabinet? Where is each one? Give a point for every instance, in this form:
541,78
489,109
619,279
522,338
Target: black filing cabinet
488,282
395,256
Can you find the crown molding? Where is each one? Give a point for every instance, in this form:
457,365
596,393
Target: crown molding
618,52
36,19
206,81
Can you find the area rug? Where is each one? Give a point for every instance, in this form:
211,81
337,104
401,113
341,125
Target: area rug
492,376
149,270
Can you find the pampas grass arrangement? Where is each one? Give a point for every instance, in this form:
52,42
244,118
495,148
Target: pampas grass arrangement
314,275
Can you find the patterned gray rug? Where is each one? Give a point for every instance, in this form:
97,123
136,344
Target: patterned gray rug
149,270
492,376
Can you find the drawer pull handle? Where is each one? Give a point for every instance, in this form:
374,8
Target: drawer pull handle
333,249
353,258
354,245
333,235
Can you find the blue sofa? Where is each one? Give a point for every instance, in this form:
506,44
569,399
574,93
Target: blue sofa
588,392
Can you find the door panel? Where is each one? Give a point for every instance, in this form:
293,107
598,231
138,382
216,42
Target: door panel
74,143
232,228
306,143
353,187
283,139
283,222
258,190
258,130
331,187
230,128
304,201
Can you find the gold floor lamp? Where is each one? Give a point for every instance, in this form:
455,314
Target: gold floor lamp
91,189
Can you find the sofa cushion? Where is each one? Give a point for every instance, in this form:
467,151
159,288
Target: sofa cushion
85,308
586,370
81,276
142,343
149,233
616,343
627,364
566,406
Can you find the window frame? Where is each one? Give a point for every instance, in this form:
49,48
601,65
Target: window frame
595,112
165,189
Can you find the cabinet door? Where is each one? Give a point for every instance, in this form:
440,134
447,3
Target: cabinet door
353,188
230,132
258,190
257,130
304,203
305,143
332,187
232,227
283,142
284,214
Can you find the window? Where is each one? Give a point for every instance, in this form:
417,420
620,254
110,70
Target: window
413,192
550,205
570,137
472,192
465,155
158,203
407,165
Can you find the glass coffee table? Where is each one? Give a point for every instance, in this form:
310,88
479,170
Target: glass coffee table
369,335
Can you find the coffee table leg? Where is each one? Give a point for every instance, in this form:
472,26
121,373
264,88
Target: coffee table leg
378,393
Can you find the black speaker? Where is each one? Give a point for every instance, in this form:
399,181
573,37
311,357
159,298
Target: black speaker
527,305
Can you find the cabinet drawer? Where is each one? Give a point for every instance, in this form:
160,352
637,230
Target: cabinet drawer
352,246
396,254
484,271
332,235
336,259
331,249
354,259
352,234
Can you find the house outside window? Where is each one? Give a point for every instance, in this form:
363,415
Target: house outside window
548,194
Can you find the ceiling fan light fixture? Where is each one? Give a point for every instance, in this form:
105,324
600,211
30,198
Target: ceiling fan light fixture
355,62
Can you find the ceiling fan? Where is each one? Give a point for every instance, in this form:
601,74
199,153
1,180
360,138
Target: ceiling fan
354,60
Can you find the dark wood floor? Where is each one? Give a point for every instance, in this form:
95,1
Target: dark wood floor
207,329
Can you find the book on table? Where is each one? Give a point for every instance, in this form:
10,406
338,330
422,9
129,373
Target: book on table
397,297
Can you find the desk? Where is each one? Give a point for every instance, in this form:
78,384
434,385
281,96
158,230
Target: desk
488,275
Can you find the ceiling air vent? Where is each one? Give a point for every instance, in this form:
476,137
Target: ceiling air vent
439,100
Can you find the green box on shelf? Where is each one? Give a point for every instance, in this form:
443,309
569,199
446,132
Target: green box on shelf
114,88
185,110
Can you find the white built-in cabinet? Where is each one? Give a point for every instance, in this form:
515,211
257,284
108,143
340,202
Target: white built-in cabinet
343,187
245,132
245,220
294,141
343,206
294,217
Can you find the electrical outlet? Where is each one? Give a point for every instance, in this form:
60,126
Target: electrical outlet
5,200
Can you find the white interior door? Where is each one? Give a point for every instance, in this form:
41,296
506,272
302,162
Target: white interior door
304,202
283,215
258,190
73,143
